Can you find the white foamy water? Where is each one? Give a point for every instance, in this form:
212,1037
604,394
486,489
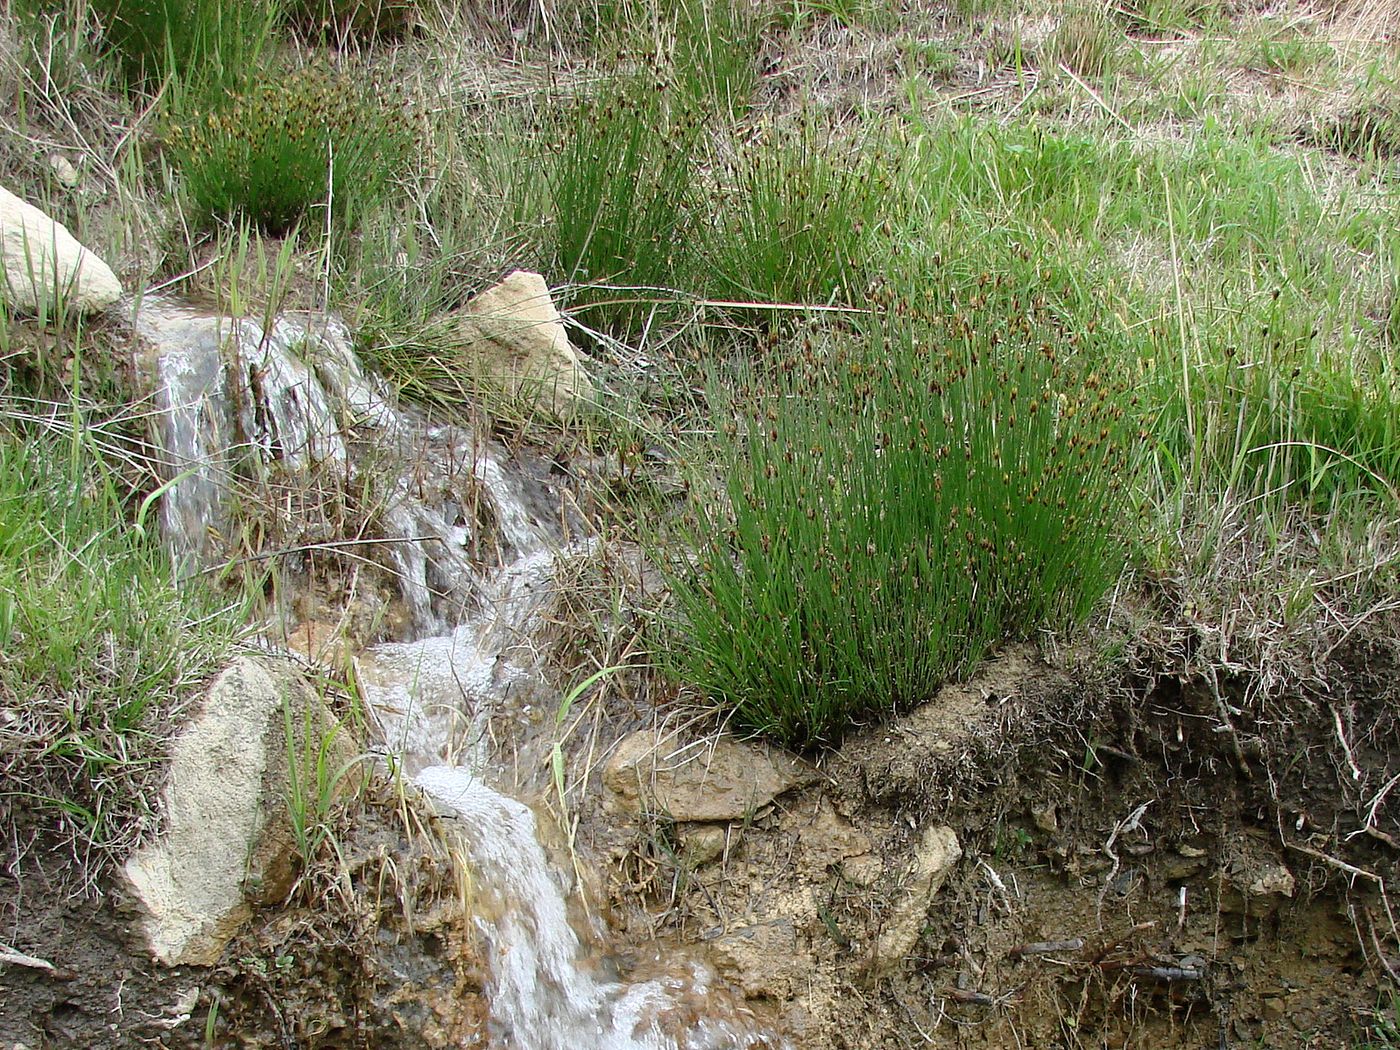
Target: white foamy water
245,411
544,998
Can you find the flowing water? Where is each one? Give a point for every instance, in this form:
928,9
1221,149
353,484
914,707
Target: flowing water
258,412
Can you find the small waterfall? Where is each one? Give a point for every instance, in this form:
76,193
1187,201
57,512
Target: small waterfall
243,408
544,999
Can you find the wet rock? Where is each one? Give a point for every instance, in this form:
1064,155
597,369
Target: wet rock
709,781
514,340
937,852
761,959
228,839
45,267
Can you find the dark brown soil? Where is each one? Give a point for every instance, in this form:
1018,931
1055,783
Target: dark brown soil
102,991
1135,873
1198,898
377,952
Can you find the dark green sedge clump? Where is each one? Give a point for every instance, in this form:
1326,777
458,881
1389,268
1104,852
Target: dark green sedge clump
310,139
902,495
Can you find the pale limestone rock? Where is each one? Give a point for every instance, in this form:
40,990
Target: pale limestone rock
228,839
45,267
864,870
762,959
704,843
830,838
937,852
1258,886
514,340
1046,817
63,171
710,781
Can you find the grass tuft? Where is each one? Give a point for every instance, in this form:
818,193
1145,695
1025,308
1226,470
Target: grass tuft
1366,130
622,185
273,153
942,477
99,652
210,44
1086,41
797,217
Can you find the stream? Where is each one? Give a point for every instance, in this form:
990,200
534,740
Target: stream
287,415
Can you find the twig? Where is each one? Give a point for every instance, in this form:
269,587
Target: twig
1168,973
1346,748
1074,944
1375,806
1340,865
966,995
14,958
153,289
1131,822
724,304
305,548
1376,943
1097,98
1379,835
1098,956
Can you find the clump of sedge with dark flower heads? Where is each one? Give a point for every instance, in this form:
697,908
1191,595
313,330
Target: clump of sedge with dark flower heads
900,496
308,140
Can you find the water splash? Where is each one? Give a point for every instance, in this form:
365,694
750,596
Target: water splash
243,409
544,998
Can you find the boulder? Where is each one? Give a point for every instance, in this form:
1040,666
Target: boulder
228,840
513,340
937,852
710,781
46,269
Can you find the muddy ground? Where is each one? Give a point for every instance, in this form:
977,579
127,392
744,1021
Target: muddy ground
1125,879
1130,877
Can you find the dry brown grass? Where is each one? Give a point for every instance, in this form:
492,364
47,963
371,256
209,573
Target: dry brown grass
1373,21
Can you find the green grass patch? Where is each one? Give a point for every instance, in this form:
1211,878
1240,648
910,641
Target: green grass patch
1168,18
99,650
209,45
1277,49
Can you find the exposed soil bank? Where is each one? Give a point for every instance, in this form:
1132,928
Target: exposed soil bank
1132,874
